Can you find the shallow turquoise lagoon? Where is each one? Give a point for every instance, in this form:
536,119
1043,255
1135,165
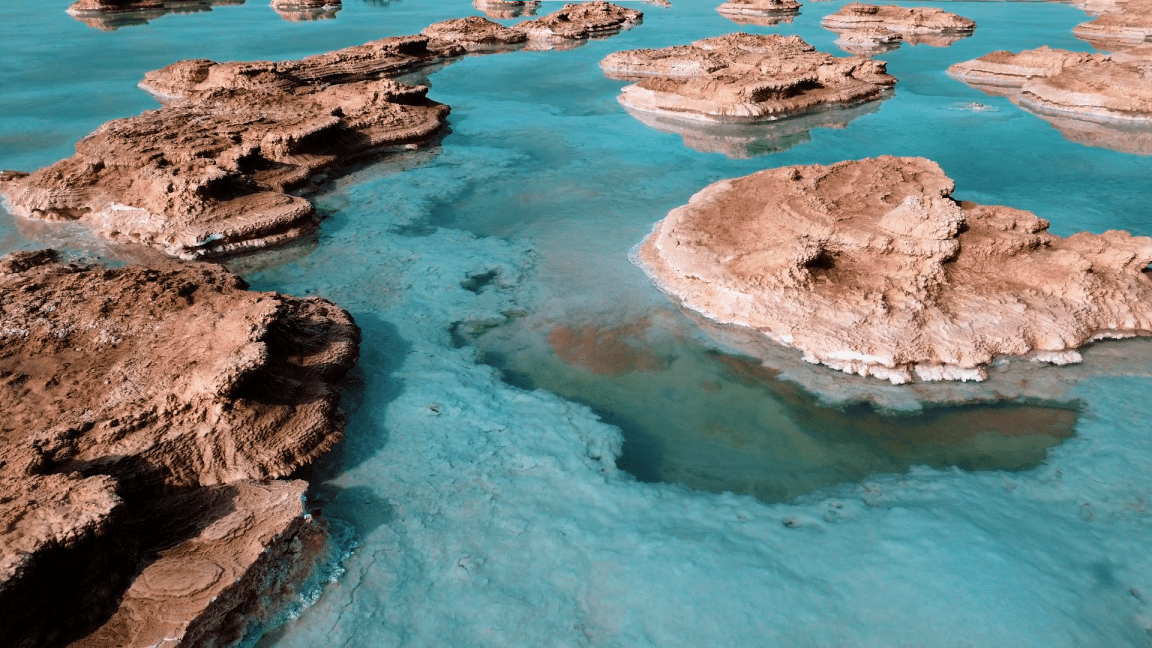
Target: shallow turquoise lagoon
543,450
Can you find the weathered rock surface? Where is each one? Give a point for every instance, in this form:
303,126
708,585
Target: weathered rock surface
744,77
1094,99
759,12
870,267
505,9
109,15
142,406
305,10
580,21
1124,24
223,166
475,34
868,41
861,24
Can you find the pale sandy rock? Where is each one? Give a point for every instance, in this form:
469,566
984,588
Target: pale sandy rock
762,21
109,15
579,21
305,10
737,8
506,9
744,77
149,382
304,4
916,25
870,267
1126,25
1108,91
475,34
1003,68
868,41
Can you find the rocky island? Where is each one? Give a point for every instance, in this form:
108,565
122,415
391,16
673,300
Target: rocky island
299,10
1095,99
868,28
150,413
109,15
222,167
1121,25
870,267
743,78
505,9
764,13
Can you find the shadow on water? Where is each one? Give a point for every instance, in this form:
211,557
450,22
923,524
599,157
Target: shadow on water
719,422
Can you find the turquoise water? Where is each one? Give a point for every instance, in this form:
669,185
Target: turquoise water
514,361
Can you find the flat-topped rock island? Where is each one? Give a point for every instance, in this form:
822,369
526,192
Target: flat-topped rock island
870,267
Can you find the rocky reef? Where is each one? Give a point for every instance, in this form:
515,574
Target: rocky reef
1121,25
870,267
743,78
764,13
149,412
109,15
1095,99
224,165
866,28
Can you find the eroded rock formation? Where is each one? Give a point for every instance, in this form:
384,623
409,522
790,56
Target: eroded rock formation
860,24
109,15
1095,99
303,10
223,166
743,77
505,9
764,13
1121,25
870,267
145,410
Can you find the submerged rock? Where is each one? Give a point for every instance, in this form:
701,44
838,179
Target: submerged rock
110,15
221,168
864,25
759,12
142,407
1095,99
744,77
870,267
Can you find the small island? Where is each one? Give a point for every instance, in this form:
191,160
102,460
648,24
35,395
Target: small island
867,28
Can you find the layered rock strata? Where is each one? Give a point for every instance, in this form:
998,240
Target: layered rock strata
1095,99
870,267
759,12
861,23
1123,25
223,166
744,77
110,15
145,411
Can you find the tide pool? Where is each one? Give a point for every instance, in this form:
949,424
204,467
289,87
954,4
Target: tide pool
534,430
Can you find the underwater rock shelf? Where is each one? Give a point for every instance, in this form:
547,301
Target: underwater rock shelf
146,411
870,267
743,78
220,167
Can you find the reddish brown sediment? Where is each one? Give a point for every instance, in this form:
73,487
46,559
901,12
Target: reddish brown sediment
1095,99
744,78
125,388
222,168
606,352
109,15
870,267
864,27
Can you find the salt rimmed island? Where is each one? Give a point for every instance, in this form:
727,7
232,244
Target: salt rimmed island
870,267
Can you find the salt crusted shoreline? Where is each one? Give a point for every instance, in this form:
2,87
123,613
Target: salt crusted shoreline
871,268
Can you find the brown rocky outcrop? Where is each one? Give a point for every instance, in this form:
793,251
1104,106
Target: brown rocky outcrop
868,41
859,24
1121,25
145,410
870,267
1095,99
759,12
109,15
505,9
744,77
305,10
222,167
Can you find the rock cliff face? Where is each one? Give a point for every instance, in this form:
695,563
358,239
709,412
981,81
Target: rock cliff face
1095,99
744,77
223,166
109,15
861,24
870,267
145,410
1122,25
